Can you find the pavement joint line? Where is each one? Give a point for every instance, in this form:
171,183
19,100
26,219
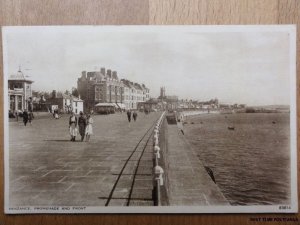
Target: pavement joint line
205,199
19,178
39,168
133,199
130,174
58,160
77,168
143,160
20,188
70,187
61,179
36,196
47,173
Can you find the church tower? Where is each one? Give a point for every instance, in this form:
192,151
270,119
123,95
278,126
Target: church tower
162,92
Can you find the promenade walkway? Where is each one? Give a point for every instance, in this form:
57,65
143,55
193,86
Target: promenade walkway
47,169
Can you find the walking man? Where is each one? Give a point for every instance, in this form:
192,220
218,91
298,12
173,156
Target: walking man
82,125
17,115
134,115
25,117
129,115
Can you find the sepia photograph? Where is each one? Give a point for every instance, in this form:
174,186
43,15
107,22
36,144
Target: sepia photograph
150,119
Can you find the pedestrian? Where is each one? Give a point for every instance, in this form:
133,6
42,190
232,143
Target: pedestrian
30,117
82,125
25,117
134,115
89,128
56,116
17,115
73,126
129,115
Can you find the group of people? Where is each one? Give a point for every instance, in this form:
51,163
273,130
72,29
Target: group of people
84,123
26,114
134,115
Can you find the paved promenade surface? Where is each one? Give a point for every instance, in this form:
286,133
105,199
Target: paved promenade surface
46,168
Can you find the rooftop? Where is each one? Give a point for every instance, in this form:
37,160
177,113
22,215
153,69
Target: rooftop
19,76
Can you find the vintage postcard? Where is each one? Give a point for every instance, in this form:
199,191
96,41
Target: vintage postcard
150,119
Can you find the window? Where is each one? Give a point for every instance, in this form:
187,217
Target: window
20,102
12,102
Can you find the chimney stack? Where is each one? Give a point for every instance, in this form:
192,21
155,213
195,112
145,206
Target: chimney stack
115,75
83,74
54,95
108,73
102,70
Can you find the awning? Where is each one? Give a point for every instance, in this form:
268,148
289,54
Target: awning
121,105
106,104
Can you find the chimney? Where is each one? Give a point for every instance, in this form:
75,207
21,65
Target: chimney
102,70
54,95
108,73
83,74
114,75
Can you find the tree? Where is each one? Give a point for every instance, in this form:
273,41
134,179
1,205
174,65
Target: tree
75,92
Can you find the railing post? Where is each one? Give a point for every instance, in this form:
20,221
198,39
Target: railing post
158,171
158,203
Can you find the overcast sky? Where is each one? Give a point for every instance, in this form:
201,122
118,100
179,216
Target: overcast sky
250,67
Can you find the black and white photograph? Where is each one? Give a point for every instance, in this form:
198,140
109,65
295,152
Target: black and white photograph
150,119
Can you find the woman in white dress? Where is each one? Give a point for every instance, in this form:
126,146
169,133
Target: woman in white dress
73,126
89,128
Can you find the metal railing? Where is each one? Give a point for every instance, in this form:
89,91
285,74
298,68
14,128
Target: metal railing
158,170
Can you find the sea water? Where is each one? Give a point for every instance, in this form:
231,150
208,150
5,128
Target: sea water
250,161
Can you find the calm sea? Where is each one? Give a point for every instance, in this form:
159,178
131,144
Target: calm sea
251,163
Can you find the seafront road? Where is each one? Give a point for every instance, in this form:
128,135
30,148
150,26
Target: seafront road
47,169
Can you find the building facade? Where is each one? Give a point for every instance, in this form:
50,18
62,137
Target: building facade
65,103
19,92
100,87
104,86
134,94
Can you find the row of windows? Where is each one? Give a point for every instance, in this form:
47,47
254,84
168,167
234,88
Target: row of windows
99,94
15,85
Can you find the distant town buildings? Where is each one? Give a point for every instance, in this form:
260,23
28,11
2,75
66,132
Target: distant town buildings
19,92
104,89
168,101
171,102
64,103
104,86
